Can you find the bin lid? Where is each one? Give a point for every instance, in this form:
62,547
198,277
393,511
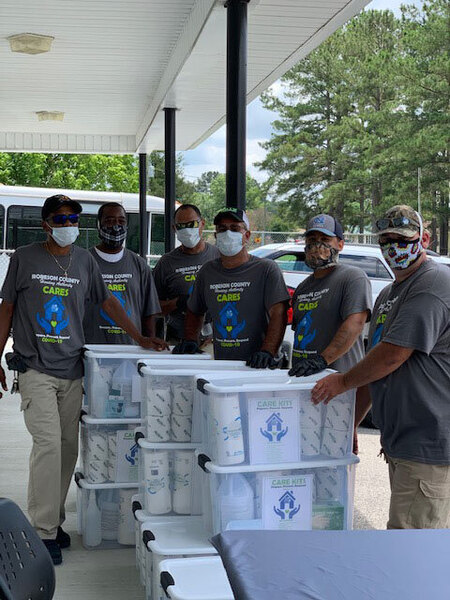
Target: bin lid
185,536
121,351
200,578
156,367
93,421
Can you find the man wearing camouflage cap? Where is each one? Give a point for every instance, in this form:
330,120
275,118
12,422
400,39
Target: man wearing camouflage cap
408,369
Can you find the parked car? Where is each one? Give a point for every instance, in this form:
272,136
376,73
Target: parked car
290,258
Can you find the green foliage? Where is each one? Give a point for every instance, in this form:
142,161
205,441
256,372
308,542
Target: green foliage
360,115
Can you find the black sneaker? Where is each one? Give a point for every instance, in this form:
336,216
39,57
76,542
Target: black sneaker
54,550
62,538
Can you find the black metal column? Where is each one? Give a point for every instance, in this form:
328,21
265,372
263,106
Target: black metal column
170,162
143,216
236,101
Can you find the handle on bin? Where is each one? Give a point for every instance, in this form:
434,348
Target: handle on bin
147,536
139,367
83,413
166,580
135,506
201,385
78,476
138,436
202,459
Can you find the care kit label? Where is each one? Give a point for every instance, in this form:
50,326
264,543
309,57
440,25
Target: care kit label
287,502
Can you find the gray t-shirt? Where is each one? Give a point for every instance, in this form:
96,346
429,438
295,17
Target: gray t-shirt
320,306
175,274
238,301
130,280
411,406
49,307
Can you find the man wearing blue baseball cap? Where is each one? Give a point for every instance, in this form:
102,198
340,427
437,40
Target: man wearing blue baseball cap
331,306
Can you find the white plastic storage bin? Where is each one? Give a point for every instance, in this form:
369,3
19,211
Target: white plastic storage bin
169,477
111,382
268,418
314,495
108,450
169,410
105,514
183,538
202,578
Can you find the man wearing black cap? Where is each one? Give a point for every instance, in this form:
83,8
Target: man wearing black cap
245,296
44,296
331,306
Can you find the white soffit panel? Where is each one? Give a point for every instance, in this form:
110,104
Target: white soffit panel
114,65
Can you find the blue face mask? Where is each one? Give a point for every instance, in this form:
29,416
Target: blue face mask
229,243
65,236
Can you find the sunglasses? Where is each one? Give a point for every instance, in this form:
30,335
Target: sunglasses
384,223
62,219
188,225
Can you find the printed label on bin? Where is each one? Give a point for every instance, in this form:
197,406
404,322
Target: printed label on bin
287,502
127,457
274,435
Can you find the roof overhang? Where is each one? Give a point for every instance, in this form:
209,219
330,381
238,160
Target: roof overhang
114,66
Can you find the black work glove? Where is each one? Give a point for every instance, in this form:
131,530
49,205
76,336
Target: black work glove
187,347
182,302
308,366
261,360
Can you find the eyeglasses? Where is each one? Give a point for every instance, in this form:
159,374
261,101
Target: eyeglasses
400,222
188,225
62,219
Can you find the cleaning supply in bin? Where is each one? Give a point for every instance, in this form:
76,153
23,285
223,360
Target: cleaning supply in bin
226,428
109,503
120,396
236,499
158,498
182,481
126,530
93,519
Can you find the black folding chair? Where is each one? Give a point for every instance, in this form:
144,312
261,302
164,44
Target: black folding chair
26,568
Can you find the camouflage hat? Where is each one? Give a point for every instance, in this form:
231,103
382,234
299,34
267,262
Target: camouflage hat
402,220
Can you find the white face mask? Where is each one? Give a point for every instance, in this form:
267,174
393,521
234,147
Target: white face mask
189,236
229,242
65,236
401,255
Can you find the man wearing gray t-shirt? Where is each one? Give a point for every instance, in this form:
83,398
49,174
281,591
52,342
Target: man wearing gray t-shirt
44,296
408,371
175,272
245,296
331,306
126,275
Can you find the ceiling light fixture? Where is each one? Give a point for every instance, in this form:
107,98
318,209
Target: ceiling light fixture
30,43
50,115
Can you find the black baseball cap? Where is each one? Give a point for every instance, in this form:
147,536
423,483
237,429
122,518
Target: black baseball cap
54,203
234,213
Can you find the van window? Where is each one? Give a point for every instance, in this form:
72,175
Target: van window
372,266
157,234
24,226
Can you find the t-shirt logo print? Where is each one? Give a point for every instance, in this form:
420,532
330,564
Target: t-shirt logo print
123,303
228,326
303,334
54,311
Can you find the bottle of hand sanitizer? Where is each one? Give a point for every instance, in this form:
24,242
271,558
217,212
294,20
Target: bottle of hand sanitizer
236,500
93,521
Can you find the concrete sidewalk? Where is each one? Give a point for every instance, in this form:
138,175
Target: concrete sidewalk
97,574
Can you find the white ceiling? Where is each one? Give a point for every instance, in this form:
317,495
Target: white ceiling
115,64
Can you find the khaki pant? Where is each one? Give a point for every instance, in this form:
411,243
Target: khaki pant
420,495
51,408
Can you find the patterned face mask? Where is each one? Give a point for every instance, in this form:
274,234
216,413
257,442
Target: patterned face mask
113,236
401,254
316,262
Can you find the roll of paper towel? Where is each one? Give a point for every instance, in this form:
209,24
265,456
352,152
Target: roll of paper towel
334,442
227,429
329,484
156,477
183,397
180,426
183,465
126,533
339,415
310,414
158,429
311,441
97,446
97,471
159,401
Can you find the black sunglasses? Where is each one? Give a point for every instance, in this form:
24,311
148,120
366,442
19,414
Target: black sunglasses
395,222
62,219
188,225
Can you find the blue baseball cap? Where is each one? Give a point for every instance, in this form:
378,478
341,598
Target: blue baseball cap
325,224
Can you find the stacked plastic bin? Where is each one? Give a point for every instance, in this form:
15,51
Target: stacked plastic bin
171,490
109,456
272,459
